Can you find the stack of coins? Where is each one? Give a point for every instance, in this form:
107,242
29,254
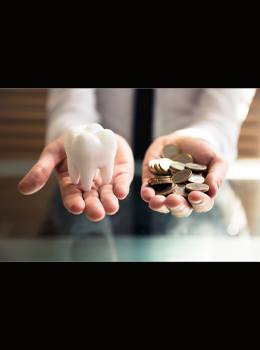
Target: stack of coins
176,172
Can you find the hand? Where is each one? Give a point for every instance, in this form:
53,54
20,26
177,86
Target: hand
101,199
197,201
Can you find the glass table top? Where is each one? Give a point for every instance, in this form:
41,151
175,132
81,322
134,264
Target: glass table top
229,232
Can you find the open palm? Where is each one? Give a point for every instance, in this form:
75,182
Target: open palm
102,199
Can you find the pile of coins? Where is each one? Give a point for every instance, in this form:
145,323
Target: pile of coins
175,172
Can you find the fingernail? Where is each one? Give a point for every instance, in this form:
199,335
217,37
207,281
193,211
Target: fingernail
74,210
180,207
196,202
121,190
163,210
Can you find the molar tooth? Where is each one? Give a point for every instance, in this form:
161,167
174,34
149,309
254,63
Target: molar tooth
86,177
89,148
73,171
94,128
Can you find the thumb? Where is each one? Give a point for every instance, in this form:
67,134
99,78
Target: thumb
216,175
39,174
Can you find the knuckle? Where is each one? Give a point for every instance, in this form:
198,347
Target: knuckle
41,170
39,175
48,149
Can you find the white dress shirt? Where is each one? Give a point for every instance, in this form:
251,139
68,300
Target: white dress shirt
215,114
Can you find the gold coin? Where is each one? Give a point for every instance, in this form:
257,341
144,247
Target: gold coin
180,190
197,178
157,169
160,180
151,165
196,167
164,165
163,172
164,189
197,187
182,176
170,151
176,166
184,158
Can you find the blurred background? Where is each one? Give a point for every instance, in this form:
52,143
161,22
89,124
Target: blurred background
22,131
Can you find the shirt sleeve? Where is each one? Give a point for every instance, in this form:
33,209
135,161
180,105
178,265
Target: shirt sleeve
218,117
69,107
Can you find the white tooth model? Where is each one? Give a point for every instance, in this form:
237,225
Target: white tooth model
89,148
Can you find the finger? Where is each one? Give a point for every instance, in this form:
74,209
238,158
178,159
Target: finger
108,199
124,169
216,175
178,205
147,193
157,203
71,195
146,173
94,209
200,201
122,182
37,177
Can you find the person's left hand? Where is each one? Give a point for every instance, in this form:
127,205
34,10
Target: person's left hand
202,153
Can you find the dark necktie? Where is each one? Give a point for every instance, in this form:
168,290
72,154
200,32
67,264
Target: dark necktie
143,117
142,138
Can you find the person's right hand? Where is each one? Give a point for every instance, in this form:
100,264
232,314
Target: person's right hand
102,199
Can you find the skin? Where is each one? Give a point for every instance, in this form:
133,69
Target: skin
103,199
197,201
